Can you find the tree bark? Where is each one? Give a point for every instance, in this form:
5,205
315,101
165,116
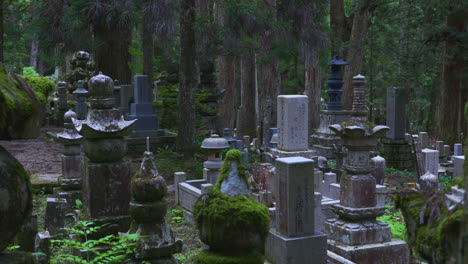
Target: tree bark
34,52
226,81
355,54
187,80
312,87
148,54
453,94
270,83
112,52
337,22
246,123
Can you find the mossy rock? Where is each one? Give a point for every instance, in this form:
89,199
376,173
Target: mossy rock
209,257
21,110
436,242
15,197
229,223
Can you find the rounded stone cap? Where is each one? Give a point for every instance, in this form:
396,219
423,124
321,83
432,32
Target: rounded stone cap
215,142
101,86
359,80
67,117
61,84
82,55
80,90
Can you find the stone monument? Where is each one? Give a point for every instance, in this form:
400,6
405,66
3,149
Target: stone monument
215,146
359,111
106,175
142,109
81,106
293,127
62,100
148,209
323,139
356,234
396,150
82,68
295,240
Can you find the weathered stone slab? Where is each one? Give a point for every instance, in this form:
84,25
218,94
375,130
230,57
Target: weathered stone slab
358,233
56,209
293,122
424,139
295,196
396,100
106,188
394,251
296,250
458,149
458,166
431,161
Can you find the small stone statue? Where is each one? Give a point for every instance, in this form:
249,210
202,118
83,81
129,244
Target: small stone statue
82,65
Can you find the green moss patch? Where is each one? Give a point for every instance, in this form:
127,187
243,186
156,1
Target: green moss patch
208,257
43,86
233,155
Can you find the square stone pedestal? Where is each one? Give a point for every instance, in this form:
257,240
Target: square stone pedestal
285,154
322,141
391,252
296,250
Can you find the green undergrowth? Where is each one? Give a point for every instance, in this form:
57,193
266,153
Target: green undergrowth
43,86
396,222
169,162
208,257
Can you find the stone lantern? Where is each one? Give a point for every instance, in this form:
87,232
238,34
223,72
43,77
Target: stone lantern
71,158
335,82
106,176
81,107
356,233
215,146
229,138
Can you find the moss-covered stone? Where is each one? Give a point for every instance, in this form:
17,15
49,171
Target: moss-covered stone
20,108
209,257
15,197
233,155
43,86
435,242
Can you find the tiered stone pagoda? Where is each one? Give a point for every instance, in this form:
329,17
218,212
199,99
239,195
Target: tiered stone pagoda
148,209
106,176
356,234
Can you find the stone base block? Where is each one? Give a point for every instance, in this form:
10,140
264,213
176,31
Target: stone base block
144,122
284,154
392,252
296,250
357,233
56,209
71,166
113,225
397,154
106,188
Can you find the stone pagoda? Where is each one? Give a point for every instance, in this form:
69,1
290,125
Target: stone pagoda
323,139
148,209
356,234
106,175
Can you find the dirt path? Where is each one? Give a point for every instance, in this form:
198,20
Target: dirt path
38,156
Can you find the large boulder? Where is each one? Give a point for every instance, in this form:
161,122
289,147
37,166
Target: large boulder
15,197
21,111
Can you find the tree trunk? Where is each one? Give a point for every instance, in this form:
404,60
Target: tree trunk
187,80
148,54
204,54
112,52
453,94
34,52
337,22
355,54
226,81
246,124
312,87
270,83
1,31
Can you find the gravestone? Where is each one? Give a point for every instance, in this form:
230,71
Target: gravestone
356,234
424,139
62,100
126,94
81,106
359,110
293,127
117,98
431,161
395,148
458,166
106,175
295,240
457,149
146,124
379,169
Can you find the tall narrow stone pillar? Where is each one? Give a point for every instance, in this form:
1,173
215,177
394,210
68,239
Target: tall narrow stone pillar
295,240
142,109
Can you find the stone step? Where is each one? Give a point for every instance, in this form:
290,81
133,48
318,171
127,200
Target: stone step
45,182
457,191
